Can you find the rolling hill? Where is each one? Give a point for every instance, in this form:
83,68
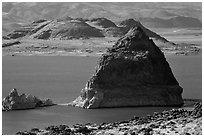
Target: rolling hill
77,28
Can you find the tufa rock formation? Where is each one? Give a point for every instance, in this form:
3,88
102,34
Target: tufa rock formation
134,72
14,101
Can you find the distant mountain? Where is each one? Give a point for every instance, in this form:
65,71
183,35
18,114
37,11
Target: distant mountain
161,13
11,22
22,12
7,6
174,22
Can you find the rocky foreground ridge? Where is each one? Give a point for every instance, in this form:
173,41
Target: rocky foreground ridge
134,72
14,101
173,122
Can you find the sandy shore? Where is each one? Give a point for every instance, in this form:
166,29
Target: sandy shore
182,121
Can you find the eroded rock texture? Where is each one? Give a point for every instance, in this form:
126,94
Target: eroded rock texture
134,72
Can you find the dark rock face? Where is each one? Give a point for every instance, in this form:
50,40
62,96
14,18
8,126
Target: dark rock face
17,34
39,21
134,72
14,101
44,35
10,43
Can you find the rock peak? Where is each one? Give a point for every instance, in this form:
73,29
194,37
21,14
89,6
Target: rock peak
135,40
134,31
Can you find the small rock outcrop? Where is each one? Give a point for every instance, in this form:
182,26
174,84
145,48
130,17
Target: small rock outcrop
14,101
134,72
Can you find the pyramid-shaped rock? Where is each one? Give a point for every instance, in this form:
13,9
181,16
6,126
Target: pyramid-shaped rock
134,72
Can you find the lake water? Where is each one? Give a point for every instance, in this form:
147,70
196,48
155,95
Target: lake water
61,78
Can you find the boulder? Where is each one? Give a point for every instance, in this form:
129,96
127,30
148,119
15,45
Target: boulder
134,72
14,101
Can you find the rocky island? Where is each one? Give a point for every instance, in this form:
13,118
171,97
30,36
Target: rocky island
134,72
14,101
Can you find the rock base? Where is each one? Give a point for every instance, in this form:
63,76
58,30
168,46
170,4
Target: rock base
128,97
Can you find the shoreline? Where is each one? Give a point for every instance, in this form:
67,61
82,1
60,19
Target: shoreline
176,121
84,54
86,47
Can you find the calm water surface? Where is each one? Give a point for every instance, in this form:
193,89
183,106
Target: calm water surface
62,78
